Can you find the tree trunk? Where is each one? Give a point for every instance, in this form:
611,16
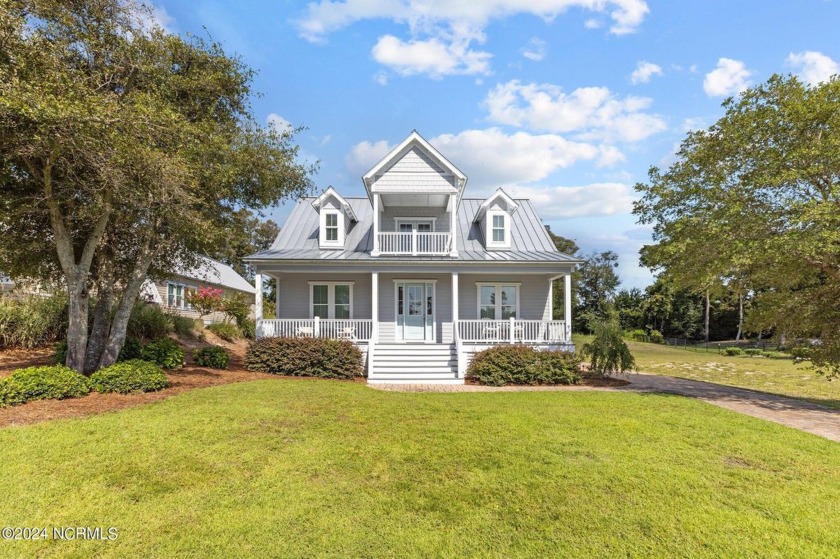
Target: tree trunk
119,326
101,323
77,328
740,316
708,313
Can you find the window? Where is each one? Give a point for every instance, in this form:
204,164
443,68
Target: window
498,229
332,229
407,225
176,295
498,301
331,300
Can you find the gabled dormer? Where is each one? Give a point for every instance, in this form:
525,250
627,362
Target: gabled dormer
494,217
335,215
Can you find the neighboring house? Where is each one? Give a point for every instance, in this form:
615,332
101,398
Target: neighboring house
172,293
418,276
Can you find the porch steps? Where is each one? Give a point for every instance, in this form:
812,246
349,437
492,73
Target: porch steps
415,364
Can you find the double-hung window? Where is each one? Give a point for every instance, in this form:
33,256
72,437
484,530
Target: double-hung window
331,299
176,295
332,229
498,229
331,225
498,301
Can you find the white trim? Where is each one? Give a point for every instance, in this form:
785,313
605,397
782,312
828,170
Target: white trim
498,285
184,306
414,221
322,233
398,335
330,297
488,229
511,204
345,206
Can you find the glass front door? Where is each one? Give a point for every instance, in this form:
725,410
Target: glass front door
415,311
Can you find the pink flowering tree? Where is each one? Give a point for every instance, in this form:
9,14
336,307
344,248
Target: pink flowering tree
206,300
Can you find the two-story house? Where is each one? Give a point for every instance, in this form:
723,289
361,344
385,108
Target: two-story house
419,276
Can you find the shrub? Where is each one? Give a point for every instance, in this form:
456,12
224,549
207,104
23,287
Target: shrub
61,353
307,357
753,352
801,352
249,329
607,351
130,376
183,326
164,352
519,364
206,300
212,356
637,335
149,322
776,355
733,351
33,321
51,382
226,331
237,307
656,337
131,349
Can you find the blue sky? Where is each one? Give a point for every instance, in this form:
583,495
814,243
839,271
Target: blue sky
568,102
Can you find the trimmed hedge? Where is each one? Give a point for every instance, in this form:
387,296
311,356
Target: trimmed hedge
754,352
733,351
51,382
305,357
165,353
520,364
226,331
129,376
212,356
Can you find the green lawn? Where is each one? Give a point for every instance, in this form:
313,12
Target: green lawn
311,468
778,376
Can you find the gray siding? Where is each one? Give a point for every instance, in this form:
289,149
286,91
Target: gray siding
534,294
294,293
390,213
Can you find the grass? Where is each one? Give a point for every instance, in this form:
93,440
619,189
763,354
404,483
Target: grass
778,376
313,468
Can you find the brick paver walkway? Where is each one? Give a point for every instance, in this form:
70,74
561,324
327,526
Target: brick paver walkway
799,414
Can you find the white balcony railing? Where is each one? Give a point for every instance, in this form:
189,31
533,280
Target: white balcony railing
513,331
338,329
415,243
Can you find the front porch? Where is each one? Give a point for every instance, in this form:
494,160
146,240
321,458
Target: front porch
416,327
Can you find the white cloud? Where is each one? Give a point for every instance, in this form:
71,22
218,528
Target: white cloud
644,72
812,66
432,56
534,50
493,158
152,15
381,78
593,24
279,123
442,32
560,202
730,77
592,113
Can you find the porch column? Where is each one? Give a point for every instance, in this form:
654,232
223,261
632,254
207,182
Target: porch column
258,300
567,306
374,306
453,210
454,305
375,251
277,296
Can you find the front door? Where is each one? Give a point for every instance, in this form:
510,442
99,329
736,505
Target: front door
415,311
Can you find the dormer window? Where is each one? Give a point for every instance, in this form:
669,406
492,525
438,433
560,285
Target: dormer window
495,216
333,209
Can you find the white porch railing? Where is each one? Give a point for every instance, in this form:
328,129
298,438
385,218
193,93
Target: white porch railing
340,329
513,331
414,243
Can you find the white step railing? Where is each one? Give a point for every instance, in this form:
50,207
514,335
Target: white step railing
339,329
414,243
513,331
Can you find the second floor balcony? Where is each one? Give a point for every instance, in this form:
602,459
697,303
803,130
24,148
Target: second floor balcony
414,243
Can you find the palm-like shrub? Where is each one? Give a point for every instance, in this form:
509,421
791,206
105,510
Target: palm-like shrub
607,352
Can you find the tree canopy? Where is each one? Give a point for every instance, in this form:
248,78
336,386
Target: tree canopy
124,151
753,204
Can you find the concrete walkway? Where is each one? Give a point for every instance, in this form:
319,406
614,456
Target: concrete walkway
799,414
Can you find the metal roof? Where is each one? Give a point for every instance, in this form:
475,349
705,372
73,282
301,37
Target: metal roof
213,271
298,239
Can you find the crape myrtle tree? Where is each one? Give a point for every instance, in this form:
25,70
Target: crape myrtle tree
756,199
124,152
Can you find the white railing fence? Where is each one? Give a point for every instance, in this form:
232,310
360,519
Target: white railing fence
415,242
340,329
512,331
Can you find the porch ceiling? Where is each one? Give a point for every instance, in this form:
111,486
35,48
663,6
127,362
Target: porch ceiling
414,199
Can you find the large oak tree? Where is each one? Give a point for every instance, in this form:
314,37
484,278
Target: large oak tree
124,151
